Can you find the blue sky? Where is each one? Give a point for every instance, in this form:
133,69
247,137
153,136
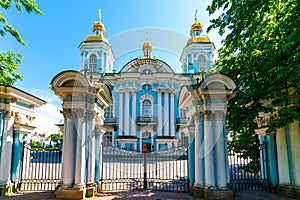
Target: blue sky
53,39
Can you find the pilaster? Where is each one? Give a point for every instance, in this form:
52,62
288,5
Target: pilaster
159,114
133,117
120,120
166,114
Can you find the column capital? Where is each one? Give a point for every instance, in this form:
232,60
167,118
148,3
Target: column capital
91,114
208,115
67,112
9,114
219,115
79,112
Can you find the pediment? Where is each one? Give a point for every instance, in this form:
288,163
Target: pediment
147,66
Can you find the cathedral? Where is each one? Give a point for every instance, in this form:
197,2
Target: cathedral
144,115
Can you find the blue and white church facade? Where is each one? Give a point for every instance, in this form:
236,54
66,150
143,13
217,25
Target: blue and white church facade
144,115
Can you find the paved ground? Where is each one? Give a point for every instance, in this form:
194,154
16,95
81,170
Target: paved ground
147,195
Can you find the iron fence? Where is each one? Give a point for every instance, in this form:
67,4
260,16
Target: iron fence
131,170
247,174
41,169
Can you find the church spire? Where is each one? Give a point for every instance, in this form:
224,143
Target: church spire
98,27
196,28
147,48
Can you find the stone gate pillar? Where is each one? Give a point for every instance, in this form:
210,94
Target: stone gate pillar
205,103
16,117
83,109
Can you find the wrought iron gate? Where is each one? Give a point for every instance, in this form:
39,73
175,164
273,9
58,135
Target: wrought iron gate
41,169
247,176
131,170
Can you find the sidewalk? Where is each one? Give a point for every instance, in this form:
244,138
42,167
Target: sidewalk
147,195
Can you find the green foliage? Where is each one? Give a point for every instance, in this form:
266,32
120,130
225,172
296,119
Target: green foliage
261,53
55,137
9,61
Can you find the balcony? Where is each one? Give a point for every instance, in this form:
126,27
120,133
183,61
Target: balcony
146,120
111,121
180,122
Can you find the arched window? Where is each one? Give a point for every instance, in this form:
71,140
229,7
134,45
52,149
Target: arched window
146,87
146,71
201,62
92,63
146,108
108,112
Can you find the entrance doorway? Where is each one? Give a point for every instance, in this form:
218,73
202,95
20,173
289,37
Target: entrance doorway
146,147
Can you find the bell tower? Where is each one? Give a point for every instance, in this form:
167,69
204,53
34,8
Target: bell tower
197,55
97,55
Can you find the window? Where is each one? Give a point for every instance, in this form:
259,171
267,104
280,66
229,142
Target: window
146,87
146,135
146,108
201,62
92,63
107,139
196,33
182,113
146,71
109,112
183,140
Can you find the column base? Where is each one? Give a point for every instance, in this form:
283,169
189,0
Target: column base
212,193
91,189
288,191
70,193
8,188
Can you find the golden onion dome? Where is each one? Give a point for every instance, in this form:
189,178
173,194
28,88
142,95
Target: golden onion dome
95,38
196,27
98,26
198,39
147,45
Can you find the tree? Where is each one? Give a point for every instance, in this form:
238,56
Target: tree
261,53
55,137
9,61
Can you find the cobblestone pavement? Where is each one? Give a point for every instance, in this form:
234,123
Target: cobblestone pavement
147,195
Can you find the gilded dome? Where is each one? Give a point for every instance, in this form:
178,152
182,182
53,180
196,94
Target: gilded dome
199,39
98,26
196,27
147,45
95,38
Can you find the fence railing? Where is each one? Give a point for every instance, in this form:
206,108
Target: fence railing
41,168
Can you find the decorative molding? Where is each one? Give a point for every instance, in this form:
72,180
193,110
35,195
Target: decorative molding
67,113
79,112
208,115
219,115
9,114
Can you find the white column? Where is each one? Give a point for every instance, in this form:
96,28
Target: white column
7,144
295,150
67,168
159,114
80,149
221,162
198,156
127,116
282,156
120,128
172,121
92,141
133,117
209,151
166,115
